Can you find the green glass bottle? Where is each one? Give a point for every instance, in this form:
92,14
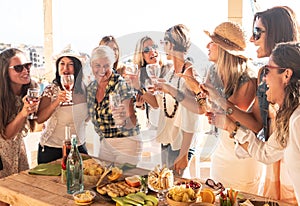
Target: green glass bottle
74,169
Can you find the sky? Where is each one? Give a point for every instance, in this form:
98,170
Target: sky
82,23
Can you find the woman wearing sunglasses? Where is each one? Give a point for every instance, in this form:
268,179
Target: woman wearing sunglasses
270,27
177,127
14,126
282,77
146,52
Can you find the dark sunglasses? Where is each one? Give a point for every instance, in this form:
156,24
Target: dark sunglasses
257,33
19,68
149,48
266,69
216,186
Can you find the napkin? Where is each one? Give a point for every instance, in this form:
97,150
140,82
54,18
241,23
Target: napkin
127,166
50,169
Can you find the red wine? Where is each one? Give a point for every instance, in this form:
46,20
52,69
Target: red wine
32,99
68,87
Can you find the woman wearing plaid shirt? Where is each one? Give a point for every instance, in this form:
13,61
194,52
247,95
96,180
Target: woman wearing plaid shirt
107,82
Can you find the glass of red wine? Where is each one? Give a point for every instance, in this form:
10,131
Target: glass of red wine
67,82
33,95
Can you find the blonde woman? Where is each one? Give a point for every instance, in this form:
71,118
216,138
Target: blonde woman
178,127
146,52
231,77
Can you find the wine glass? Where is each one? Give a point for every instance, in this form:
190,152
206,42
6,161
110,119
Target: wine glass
131,71
149,85
33,96
67,82
211,108
115,102
153,71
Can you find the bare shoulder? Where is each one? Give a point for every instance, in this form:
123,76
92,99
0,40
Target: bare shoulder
245,95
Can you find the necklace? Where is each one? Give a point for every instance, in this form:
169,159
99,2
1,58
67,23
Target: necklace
176,102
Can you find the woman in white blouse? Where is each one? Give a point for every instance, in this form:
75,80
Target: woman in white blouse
55,115
282,76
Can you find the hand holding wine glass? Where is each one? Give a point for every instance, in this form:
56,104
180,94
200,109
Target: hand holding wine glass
33,98
117,109
131,72
67,82
153,71
211,109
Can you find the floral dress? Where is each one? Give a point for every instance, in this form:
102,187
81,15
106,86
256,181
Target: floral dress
13,151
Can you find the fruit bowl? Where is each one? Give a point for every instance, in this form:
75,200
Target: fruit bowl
194,184
172,202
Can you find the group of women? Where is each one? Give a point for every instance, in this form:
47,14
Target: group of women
257,115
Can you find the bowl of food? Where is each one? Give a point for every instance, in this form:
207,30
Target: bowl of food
181,196
84,197
92,173
194,184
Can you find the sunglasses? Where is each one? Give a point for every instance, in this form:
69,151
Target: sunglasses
19,68
149,48
216,186
266,69
257,33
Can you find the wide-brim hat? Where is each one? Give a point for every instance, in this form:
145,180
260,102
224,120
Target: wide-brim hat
230,37
71,52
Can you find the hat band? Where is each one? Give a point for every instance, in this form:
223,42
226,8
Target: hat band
227,41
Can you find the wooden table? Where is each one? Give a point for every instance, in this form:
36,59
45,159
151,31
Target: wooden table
24,189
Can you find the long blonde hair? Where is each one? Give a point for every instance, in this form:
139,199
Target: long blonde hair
138,53
230,69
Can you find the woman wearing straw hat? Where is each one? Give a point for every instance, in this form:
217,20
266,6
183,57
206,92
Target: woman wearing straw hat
227,51
55,115
232,78
271,26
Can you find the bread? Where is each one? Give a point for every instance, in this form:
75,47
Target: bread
133,181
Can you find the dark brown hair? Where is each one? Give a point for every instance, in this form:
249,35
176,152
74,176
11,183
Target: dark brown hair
280,24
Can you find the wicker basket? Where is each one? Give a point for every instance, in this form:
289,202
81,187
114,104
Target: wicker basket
172,202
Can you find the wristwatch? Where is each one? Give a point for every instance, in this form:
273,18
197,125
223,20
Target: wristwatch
229,111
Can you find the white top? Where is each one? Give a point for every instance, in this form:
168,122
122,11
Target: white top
271,151
227,168
169,130
54,133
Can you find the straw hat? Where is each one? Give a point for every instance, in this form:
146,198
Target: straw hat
71,52
230,37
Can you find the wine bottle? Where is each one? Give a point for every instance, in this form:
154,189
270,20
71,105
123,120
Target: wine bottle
74,169
65,152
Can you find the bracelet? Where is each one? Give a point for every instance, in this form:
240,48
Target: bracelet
200,99
233,133
179,96
141,107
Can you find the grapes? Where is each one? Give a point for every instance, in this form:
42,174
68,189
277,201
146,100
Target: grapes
190,184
